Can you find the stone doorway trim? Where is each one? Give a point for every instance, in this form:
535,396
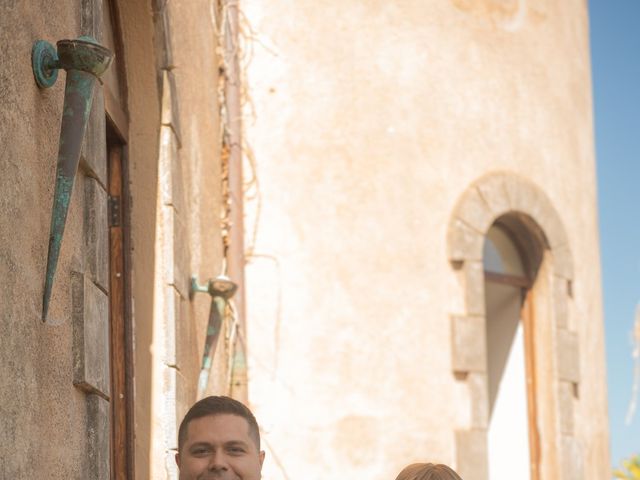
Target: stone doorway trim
495,196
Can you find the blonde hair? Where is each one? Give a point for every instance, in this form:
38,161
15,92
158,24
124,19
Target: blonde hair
427,471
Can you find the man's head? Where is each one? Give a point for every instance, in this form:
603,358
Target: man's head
219,439
428,471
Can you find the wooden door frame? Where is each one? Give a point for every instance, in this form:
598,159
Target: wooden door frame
120,281
528,324
120,324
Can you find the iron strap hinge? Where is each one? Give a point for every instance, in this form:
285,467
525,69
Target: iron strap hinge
115,211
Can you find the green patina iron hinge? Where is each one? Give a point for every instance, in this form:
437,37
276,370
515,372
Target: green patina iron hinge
84,61
221,289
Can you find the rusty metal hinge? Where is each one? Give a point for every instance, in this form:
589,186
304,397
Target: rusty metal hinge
115,211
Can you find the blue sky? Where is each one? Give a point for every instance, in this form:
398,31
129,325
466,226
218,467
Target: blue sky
615,54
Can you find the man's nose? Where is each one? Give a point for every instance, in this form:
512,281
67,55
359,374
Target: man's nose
218,461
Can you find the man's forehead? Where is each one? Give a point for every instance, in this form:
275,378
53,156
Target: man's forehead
226,426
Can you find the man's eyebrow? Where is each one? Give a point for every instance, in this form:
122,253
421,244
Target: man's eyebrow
199,444
236,442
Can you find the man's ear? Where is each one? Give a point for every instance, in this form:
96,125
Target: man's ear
178,460
261,455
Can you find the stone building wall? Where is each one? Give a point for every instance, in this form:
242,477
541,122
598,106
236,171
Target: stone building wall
188,237
55,385
375,123
53,390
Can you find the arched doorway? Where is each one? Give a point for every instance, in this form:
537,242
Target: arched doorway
536,232
509,271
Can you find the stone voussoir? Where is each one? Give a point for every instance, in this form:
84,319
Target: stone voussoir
474,211
464,243
493,191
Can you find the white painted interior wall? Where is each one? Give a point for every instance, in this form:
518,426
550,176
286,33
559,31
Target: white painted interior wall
508,438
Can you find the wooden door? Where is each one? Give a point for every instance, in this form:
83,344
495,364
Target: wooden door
121,336
120,324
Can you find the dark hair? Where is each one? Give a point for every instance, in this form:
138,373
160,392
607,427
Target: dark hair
427,471
218,405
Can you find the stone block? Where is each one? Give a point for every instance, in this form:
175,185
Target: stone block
162,39
91,18
168,151
98,438
167,104
170,105
175,108
572,459
464,242
90,318
171,314
565,398
561,302
528,198
563,262
182,267
474,288
190,322
472,454
468,344
492,189
178,198
176,268
553,228
172,179
545,215
479,397
170,421
186,392
93,155
474,211
568,356
96,233
523,196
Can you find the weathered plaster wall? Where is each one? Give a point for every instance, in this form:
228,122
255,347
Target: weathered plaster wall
172,73
144,119
44,417
196,178
372,119
49,427
188,239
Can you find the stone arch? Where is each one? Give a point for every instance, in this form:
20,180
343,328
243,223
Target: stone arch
493,196
504,195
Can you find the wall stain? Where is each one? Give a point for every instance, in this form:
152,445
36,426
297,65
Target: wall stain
510,15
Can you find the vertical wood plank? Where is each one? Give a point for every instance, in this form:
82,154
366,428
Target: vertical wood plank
528,319
119,391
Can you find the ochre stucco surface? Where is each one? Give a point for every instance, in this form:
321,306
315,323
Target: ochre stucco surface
176,201
45,430
371,121
39,407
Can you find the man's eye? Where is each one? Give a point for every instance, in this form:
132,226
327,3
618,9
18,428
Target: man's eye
199,451
236,450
